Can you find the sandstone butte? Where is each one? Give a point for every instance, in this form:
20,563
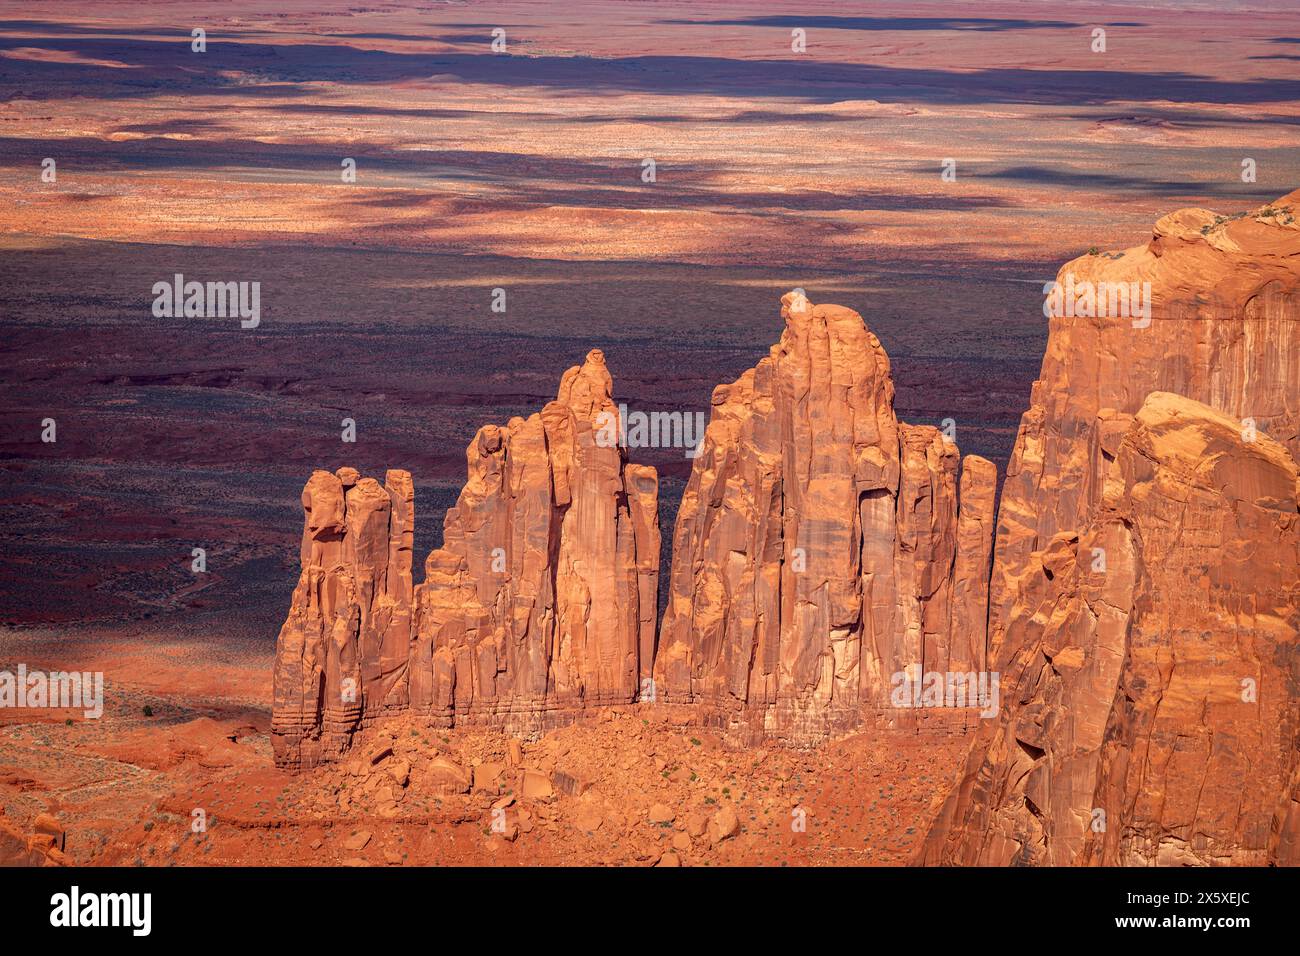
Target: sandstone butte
541,600
1141,602
821,547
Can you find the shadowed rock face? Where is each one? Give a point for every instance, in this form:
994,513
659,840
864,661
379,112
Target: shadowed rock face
817,541
1224,329
1150,698
540,602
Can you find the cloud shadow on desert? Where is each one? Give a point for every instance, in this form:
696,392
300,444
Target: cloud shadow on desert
173,69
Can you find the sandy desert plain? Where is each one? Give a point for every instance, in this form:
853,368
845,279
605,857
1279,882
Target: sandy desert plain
523,170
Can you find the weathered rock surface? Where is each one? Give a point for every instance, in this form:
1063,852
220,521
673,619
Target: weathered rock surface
1223,329
976,520
343,651
1141,603
817,540
541,601
542,597
1150,701
43,847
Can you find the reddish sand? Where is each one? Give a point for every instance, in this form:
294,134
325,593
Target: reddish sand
126,786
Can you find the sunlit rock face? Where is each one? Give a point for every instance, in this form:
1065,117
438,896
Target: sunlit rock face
820,547
1145,599
342,652
1150,702
541,601
1221,326
533,605
1135,595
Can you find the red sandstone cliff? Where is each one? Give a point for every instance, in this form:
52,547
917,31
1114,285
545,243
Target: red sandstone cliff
817,545
1141,601
342,652
1223,329
44,847
1145,600
1150,707
534,603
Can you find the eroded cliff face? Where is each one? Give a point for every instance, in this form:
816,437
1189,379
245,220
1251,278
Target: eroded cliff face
1150,697
818,541
1145,596
1223,328
540,602
44,847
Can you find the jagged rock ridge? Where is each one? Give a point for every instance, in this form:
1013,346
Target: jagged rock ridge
540,602
1141,608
